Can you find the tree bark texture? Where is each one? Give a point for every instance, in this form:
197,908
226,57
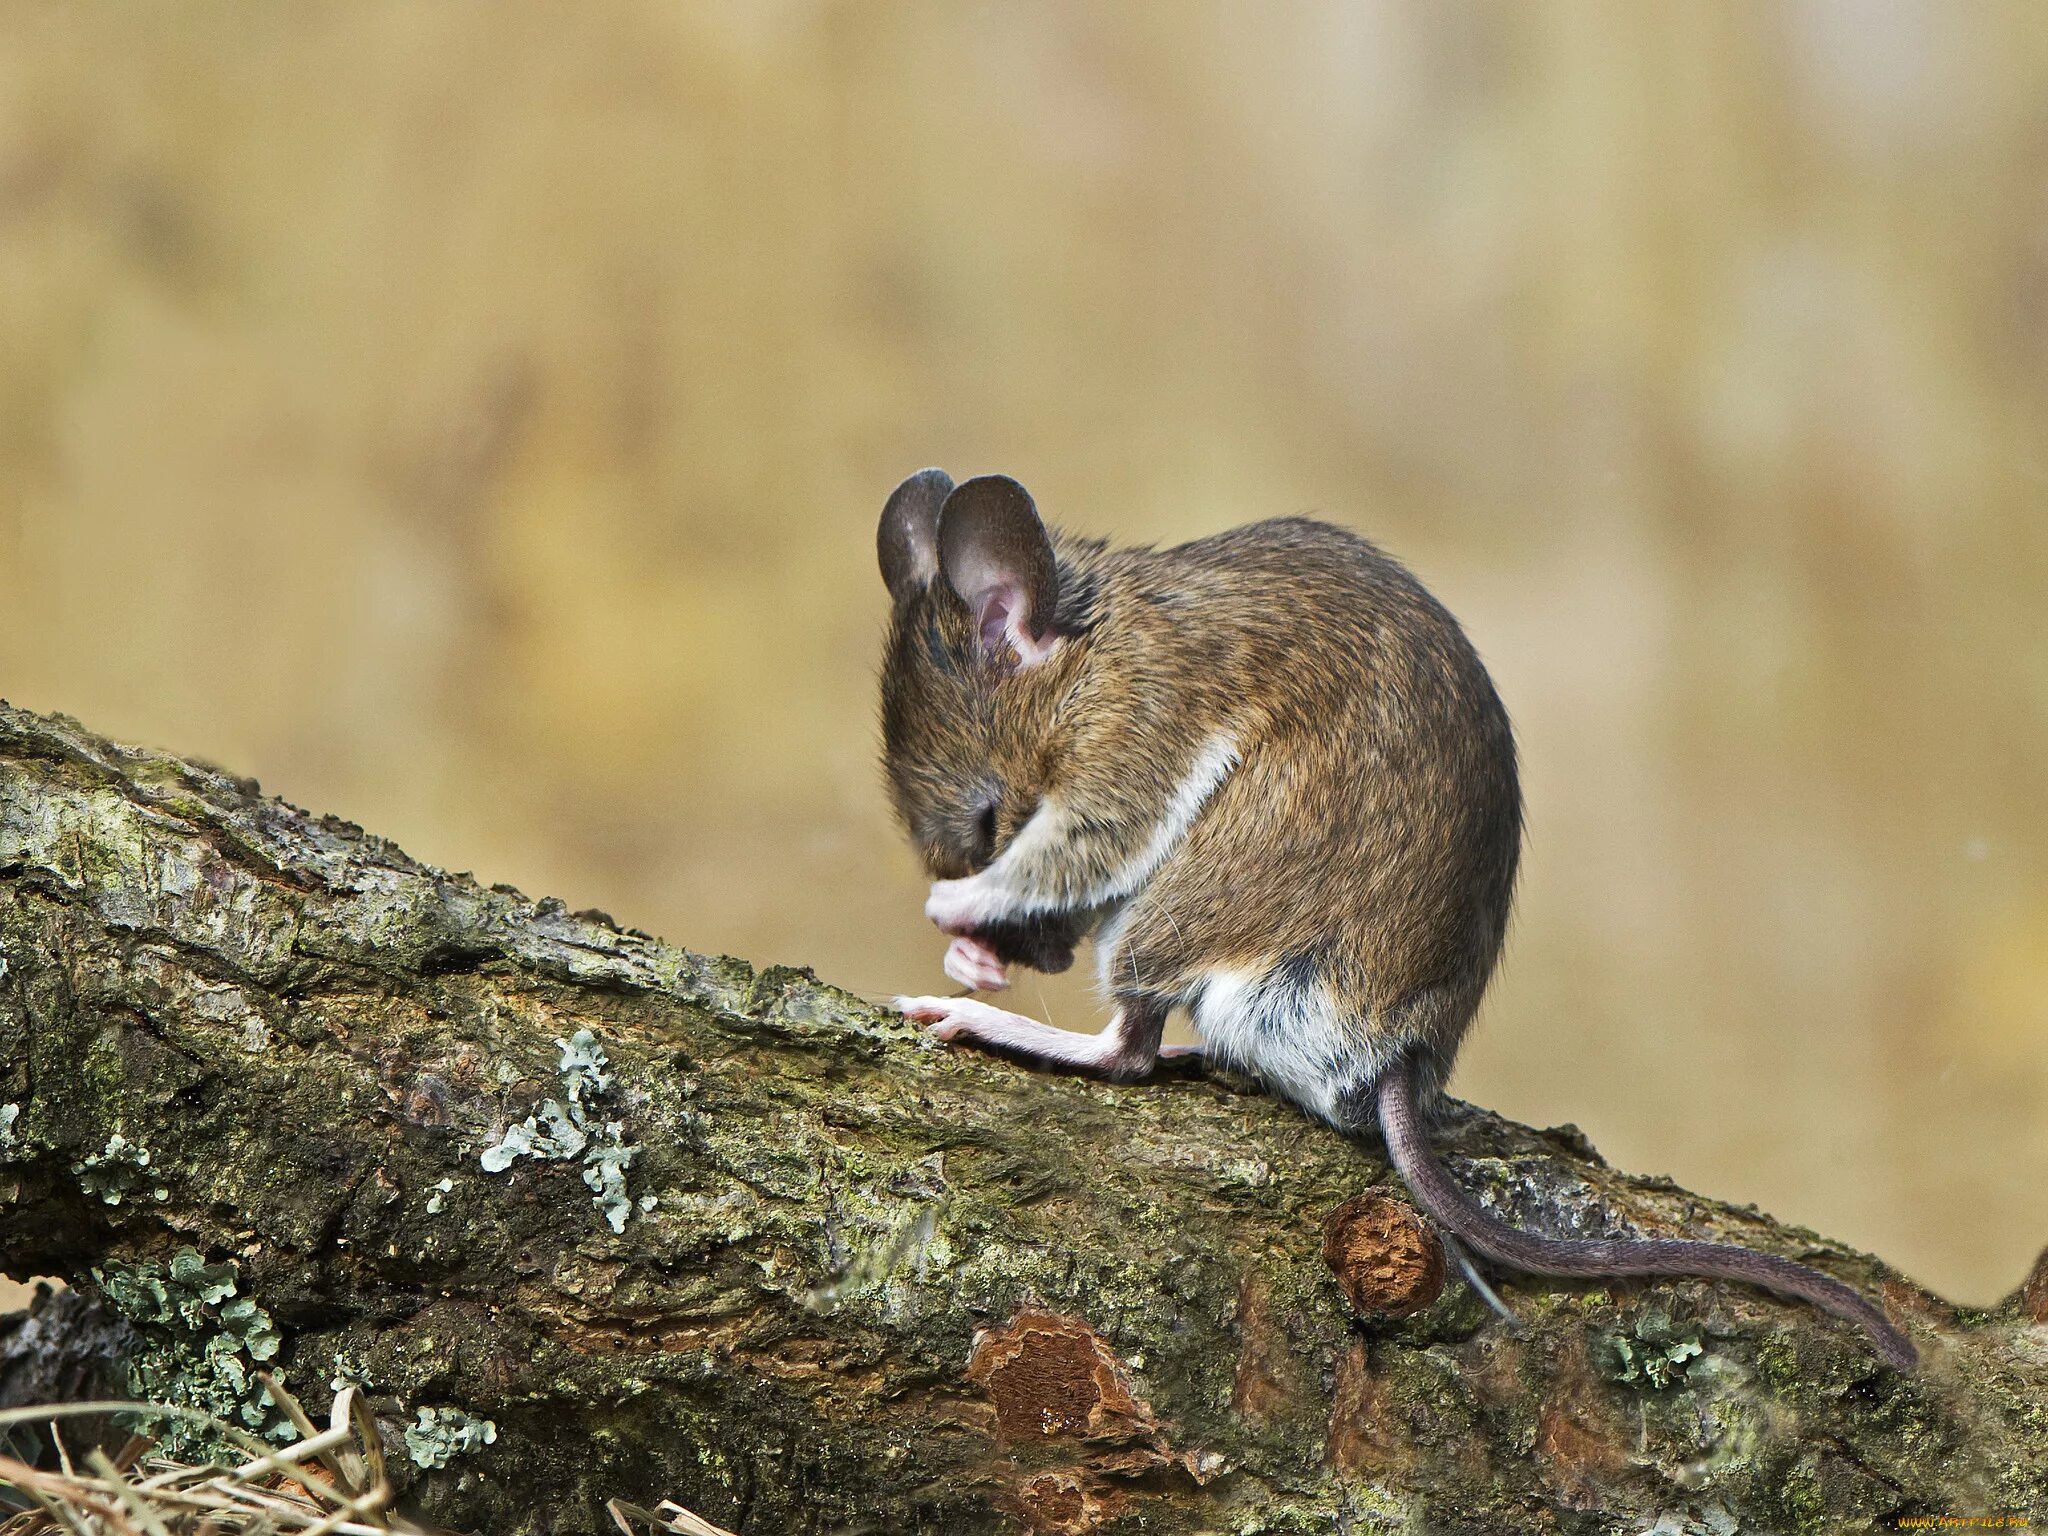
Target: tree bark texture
591,1216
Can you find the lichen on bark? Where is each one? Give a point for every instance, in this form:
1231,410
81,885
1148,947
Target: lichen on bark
856,1282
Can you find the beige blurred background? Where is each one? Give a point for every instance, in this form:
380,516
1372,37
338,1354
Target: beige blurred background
472,420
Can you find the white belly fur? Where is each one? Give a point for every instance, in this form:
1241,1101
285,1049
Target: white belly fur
1288,1035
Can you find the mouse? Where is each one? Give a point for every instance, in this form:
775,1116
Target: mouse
1268,776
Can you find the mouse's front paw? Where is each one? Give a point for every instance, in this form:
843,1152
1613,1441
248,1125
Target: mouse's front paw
952,1018
973,964
959,906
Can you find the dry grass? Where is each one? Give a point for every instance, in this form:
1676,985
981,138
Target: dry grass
669,1517
327,1482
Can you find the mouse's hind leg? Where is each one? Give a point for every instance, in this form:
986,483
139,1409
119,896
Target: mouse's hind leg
1127,1048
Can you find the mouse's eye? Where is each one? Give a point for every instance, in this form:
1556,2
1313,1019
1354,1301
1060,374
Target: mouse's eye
985,835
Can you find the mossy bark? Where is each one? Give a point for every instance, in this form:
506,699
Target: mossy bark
858,1283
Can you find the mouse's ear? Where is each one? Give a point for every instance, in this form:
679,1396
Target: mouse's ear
908,540
995,554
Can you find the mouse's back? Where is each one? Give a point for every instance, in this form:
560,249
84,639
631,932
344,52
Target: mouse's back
1360,856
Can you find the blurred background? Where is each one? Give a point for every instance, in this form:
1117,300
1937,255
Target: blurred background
472,420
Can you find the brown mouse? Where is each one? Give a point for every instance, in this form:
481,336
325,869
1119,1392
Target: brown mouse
1266,772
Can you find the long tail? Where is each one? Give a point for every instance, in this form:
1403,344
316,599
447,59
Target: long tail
1443,1199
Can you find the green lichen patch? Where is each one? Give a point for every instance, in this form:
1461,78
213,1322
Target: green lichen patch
604,1170
1655,1351
119,1171
198,1346
546,1135
556,1132
584,1068
439,1435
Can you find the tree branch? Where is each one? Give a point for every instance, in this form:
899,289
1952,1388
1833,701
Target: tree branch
590,1216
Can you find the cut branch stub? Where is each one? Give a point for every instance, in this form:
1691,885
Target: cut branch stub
1050,1374
1052,1378
1385,1256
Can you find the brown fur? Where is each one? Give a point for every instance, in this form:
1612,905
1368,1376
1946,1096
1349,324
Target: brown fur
1369,832
1269,772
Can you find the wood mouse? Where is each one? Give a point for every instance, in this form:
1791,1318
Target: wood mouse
1267,773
